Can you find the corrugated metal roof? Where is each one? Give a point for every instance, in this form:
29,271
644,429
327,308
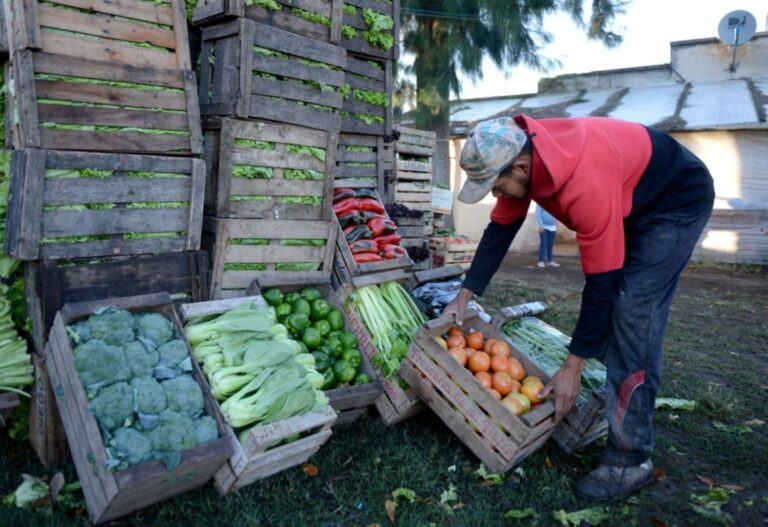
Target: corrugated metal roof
695,105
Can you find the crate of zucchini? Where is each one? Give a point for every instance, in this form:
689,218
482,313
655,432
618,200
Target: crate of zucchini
500,433
76,204
266,385
248,69
316,19
367,107
103,77
548,347
350,382
369,242
292,251
370,27
268,170
362,162
136,409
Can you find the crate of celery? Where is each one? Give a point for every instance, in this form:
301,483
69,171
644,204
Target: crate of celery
349,380
548,348
266,384
385,319
136,410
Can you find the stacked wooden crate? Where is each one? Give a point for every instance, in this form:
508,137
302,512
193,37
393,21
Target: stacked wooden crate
106,181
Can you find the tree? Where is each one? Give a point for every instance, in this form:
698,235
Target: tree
451,36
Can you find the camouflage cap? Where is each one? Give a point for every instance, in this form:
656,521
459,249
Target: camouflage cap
490,148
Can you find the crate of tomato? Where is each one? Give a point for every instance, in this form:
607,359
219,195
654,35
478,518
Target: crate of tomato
370,242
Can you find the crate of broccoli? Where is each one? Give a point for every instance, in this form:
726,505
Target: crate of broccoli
139,418
265,383
315,315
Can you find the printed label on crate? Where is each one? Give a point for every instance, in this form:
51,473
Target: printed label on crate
442,200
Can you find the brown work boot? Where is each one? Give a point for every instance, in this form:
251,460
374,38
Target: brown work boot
612,483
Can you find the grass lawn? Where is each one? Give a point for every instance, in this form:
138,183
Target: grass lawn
715,353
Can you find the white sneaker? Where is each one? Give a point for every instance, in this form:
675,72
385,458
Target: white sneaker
541,265
553,264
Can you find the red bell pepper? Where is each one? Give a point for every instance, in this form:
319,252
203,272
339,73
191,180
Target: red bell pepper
357,232
370,205
345,206
367,257
368,215
344,194
363,246
392,252
381,226
338,191
351,218
361,193
389,239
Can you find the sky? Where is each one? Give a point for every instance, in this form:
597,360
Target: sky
648,26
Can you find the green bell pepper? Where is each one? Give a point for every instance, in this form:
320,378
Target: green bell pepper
311,338
282,311
292,297
296,323
352,357
319,309
336,319
348,340
334,334
310,293
273,296
334,345
301,306
322,326
329,379
362,378
322,361
344,371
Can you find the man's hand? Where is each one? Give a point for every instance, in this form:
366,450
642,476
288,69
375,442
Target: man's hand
565,384
458,307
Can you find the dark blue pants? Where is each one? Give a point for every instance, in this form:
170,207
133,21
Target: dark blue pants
659,245
546,242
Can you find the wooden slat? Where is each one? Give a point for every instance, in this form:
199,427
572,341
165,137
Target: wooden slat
94,93
275,133
107,50
95,69
22,229
146,11
25,101
114,141
294,69
116,221
287,111
117,162
114,247
295,91
58,113
414,150
275,159
104,26
276,187
352,125
115,189
277,39
273,254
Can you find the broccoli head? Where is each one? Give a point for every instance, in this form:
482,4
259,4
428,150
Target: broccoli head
174,432
100,364
128,446
141,360
149,396
173,352
184,395
206,429
154,327
113,326
113,406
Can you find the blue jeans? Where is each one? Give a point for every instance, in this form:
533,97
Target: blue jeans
546,242
658,247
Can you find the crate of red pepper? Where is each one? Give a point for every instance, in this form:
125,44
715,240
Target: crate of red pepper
370,242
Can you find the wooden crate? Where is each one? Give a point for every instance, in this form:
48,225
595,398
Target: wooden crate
396,403
55,46
46,431
359,44
362,161
256,458
281,16
447,252
275,150
243,250
9,401
489,429
248,69
349,402
366,75
357,269
4,42
110,495
112,218
415,195
49,284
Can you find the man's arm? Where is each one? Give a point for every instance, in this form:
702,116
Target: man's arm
594,322
491,250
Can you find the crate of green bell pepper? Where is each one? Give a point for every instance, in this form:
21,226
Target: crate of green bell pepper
315,316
